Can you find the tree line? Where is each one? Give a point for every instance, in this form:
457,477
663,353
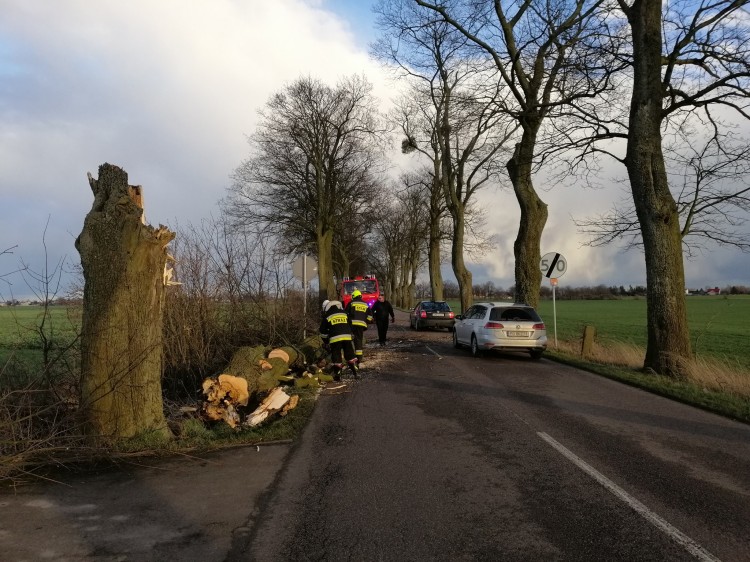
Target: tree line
490,94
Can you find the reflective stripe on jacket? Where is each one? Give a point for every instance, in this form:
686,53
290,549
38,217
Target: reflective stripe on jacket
359,313
335,327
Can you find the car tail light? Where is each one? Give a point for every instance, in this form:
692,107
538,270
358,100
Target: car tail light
423,314
451,315
494,326
538,327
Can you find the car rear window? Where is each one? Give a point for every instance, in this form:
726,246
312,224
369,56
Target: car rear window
436,307
515,313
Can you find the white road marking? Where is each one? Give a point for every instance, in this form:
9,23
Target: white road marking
675,534
433,351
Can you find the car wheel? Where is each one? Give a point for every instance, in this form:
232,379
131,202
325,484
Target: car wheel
455,340
417,327
536,354
475,351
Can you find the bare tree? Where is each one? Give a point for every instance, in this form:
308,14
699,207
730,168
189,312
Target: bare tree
401,233
314,163
692,59
458,122
536,47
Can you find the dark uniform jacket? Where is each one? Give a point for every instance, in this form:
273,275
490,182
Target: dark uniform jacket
359,313
335,326
381,311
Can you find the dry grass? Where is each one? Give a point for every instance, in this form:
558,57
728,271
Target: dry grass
710,374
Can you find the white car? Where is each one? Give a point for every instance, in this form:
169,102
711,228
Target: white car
501,326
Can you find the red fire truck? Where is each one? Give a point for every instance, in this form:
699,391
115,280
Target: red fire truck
366,285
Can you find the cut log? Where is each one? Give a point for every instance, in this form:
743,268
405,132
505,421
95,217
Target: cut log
291,405
222,411
273,403
280,353
236,388
312,349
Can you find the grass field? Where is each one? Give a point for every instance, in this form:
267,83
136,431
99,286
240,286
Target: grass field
20,341
719,325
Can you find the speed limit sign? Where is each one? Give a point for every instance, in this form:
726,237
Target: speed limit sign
553,265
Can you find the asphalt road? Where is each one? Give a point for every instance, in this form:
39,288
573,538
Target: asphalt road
440,456
433,455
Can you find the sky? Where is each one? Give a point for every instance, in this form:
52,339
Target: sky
169,91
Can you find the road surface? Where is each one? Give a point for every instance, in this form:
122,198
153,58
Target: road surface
440,456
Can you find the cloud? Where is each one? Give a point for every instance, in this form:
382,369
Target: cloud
169,90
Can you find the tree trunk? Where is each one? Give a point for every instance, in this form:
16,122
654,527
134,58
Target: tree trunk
326,284
436,277
123,263
526,248
668,335
433,252
463,275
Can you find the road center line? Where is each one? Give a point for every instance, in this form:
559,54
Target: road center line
433,351
675,534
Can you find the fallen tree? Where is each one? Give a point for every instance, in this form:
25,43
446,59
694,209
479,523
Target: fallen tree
253,378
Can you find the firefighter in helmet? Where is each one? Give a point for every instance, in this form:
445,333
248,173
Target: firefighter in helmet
336,333
360,316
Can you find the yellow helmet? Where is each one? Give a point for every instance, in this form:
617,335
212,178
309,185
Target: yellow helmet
356,293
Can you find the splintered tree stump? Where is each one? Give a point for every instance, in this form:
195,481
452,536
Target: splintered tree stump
123,262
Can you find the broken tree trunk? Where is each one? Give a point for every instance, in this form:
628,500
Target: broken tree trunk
123,262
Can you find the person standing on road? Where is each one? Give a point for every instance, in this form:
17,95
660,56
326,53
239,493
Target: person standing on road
359,316
381,310
336,333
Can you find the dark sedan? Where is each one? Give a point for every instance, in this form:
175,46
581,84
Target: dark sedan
432,314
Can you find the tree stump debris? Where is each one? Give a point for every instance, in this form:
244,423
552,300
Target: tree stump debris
253,377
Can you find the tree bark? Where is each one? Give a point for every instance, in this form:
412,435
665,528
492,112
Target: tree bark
668,335
462,273
526,247
327,286
123,263
433,260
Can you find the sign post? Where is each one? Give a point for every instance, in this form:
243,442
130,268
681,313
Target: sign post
300,268
555,264
553,282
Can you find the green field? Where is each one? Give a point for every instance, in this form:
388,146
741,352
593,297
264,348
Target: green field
719,325
20,340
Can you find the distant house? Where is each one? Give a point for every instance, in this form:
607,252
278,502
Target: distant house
714,291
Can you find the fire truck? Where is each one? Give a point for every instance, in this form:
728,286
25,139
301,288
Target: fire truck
366,285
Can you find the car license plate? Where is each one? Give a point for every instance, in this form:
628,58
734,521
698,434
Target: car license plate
438,314
519,334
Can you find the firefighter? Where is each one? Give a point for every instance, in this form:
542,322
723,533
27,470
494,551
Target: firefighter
360,316
381,310
336,333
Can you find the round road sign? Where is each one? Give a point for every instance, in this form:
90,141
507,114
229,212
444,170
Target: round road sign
553,265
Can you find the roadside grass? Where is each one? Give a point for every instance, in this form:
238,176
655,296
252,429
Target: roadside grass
710,384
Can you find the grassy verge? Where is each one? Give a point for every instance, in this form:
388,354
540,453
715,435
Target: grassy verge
710,385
